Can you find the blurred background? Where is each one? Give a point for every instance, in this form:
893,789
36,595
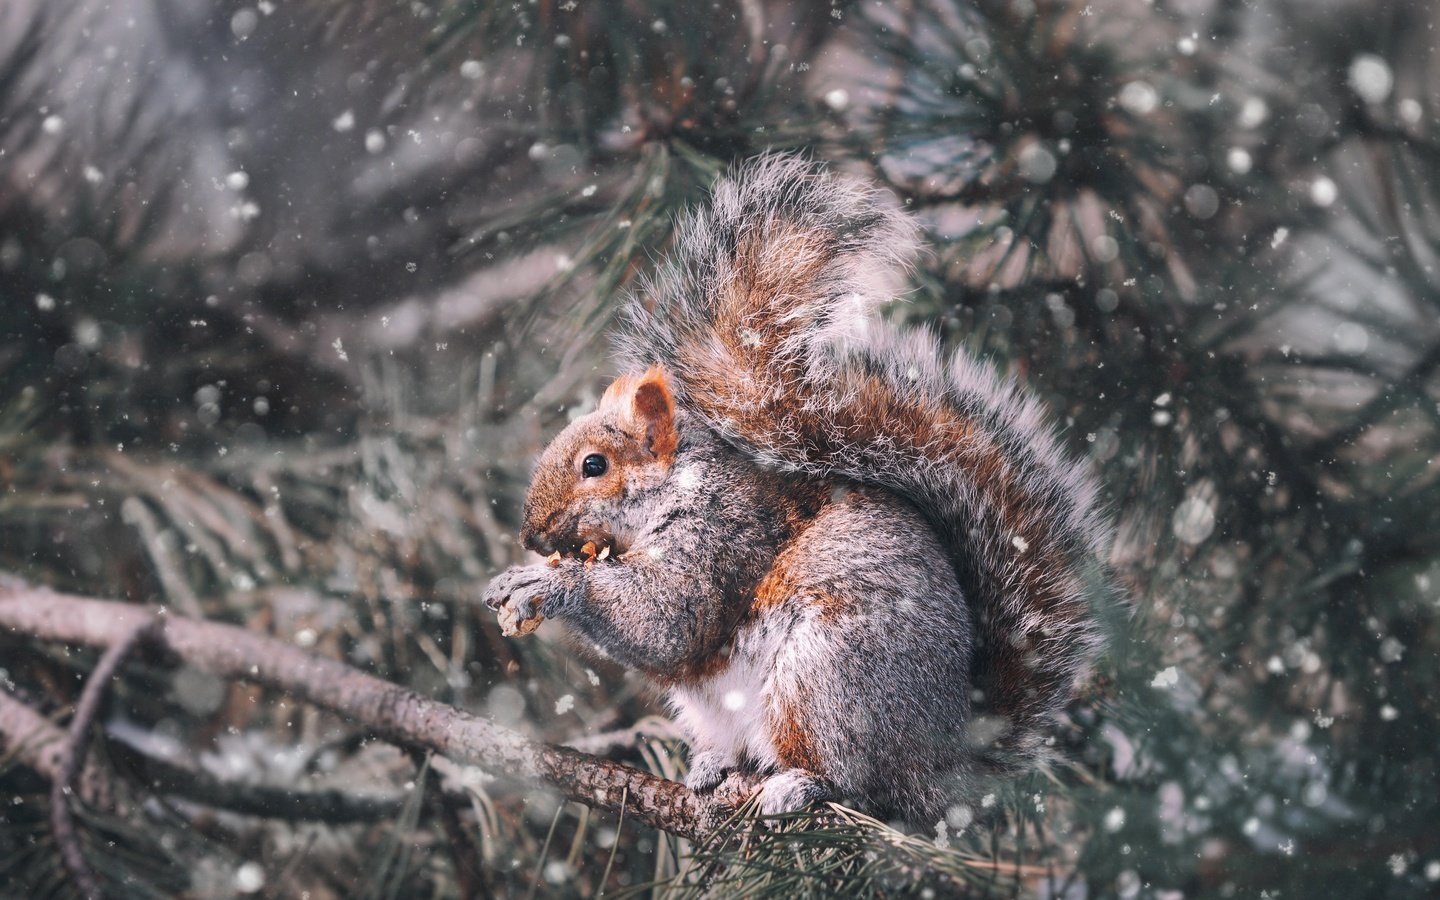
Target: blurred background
292,292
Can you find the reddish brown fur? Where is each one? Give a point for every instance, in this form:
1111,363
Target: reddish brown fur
778,585
782,583
872,409
654,405
800,502
646,403
794,747
797,501
641,411
780,263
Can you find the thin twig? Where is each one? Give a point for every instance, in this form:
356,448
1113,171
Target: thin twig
135,512
614,846
1412,382
544,852
470,878
72,758
39,744
622,738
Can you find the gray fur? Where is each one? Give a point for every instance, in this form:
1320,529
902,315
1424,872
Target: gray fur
882,682
674,595
832,340
854,533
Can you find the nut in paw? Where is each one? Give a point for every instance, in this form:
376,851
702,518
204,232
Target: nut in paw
516,596
512,625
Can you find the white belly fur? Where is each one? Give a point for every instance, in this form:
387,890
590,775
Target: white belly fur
730,712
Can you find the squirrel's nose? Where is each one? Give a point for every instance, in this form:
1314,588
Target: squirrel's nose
534,540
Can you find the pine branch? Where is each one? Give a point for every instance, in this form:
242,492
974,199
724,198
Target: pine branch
38,744
385,709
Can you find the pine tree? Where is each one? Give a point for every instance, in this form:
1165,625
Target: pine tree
291,293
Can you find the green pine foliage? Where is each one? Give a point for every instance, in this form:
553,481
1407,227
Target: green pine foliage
292,293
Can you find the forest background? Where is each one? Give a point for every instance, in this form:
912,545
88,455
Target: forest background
292,292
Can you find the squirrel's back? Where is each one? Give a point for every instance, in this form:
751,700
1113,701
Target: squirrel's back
764,316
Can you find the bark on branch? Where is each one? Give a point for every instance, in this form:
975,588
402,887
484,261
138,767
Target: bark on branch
382,708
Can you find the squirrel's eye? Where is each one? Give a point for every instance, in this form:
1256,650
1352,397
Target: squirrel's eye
594,465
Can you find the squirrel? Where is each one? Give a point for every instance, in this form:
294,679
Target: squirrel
859,569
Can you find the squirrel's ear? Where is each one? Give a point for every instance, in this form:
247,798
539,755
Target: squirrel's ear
653,405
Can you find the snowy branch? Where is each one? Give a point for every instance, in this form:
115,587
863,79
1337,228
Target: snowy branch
382,708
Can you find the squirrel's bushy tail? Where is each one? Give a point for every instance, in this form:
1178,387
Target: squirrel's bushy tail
765,317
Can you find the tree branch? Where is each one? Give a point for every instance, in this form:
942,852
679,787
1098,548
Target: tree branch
385,709
38,744
72,757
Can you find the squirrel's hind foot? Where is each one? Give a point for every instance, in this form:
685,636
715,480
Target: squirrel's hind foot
791,790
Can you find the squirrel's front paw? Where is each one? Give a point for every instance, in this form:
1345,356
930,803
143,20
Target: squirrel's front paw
517,595
707,769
